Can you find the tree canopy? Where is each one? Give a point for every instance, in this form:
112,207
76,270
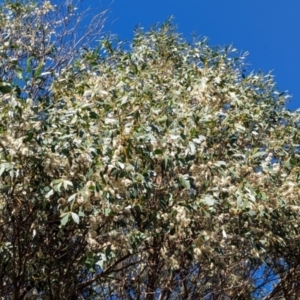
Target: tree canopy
155,171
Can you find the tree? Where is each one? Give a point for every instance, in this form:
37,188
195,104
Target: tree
157,172
38,40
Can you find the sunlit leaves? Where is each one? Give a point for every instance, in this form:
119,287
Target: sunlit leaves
160,162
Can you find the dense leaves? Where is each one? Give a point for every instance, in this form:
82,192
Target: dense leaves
161,171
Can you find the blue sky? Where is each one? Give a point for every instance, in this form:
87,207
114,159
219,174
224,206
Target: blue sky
268,29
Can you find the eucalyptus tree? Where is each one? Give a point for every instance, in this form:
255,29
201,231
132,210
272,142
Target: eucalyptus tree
159,171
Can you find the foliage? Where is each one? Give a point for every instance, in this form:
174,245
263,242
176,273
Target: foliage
158,172
37,41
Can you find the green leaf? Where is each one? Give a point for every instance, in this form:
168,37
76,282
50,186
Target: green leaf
2,168
19,72
93,115
28,64
72,197
185,182
75,218
166,161
67,183
64,218
107,212
57,185
157,151
5,87
38,70
259,154
264,196
29,137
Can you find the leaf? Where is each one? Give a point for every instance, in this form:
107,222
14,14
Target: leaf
67,183
45,73
238,155
49,194
162,119
174,136
107,212
19,72
239,127
64,218
224,234
192,148
38,70
5,87
129,167
220,163
124,99
209,200
185,182
199,140
166,161
259,154
93,115
28,64
102,260
72,197
239,201
264,196
108,121
29,137
75,218
157,151
2,168
57,185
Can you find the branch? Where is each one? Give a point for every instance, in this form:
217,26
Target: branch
92,280
281,284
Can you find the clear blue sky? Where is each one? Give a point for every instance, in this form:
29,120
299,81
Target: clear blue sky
268,29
